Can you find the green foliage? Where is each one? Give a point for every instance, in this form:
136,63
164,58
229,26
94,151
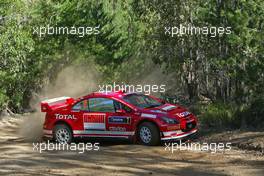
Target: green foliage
222,115
26,59
253,115
222,68
16,45
218,115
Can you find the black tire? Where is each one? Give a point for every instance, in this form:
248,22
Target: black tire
152,135
62,134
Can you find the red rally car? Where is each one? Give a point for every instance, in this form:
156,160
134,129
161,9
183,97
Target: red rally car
118,115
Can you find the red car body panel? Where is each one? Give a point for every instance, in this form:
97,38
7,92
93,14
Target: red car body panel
84,123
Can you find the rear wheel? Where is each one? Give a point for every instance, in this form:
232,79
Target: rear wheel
148,134
62,134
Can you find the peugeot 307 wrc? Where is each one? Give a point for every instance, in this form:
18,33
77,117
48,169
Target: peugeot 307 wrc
116,114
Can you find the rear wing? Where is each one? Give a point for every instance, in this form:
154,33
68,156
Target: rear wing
49,104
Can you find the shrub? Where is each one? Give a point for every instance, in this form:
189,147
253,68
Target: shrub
254,114
218,115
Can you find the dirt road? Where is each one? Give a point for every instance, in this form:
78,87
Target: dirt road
17,157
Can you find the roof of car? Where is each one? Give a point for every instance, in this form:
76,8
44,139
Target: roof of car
117,94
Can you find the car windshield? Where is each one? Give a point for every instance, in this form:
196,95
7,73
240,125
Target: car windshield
142,101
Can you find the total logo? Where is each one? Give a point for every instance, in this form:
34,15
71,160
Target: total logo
65,116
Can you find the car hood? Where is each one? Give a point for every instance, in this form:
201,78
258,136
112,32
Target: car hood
170,110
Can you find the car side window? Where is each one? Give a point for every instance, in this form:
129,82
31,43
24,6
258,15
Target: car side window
82,105
101,105
119,105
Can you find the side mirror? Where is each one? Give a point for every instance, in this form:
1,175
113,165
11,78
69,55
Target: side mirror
120,111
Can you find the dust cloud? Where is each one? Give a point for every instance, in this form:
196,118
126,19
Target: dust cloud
30,127
153,74
72,81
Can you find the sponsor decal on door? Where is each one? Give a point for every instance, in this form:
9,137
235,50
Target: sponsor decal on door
94,121
119,120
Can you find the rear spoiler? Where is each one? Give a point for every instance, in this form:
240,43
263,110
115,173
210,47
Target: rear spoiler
48,104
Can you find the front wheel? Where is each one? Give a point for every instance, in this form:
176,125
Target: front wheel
148,134
62,134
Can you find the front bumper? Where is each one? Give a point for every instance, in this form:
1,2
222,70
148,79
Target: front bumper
177,135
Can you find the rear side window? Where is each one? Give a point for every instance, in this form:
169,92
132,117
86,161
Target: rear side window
101,105
82,105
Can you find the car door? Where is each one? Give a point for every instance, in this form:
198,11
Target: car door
105,118
121,120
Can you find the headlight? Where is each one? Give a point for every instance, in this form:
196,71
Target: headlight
169,120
